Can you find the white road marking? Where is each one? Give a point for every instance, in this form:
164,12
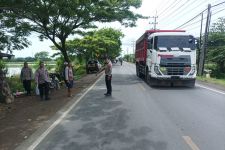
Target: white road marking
44,134
214,90
190,143
142,87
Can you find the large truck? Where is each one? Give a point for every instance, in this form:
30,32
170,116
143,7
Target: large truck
166,57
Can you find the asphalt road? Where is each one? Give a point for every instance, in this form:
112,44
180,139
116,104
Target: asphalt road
139,117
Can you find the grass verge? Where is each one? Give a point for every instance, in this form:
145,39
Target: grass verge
212,80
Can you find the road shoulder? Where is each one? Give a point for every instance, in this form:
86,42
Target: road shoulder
28,115
211,85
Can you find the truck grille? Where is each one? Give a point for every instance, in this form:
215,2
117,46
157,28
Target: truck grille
175,68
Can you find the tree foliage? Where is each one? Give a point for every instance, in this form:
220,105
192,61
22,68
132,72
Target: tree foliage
216,44
43,55
57,19
13,32
97,44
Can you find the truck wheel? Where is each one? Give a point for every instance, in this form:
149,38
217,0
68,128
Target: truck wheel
151,81
146,75
137,71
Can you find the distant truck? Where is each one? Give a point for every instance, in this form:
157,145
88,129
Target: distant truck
166,57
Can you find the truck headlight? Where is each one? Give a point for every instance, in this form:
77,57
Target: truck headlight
156,69
193,70
163,70
187,70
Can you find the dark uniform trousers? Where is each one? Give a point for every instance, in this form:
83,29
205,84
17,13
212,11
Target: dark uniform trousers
108,79
27,86
44,90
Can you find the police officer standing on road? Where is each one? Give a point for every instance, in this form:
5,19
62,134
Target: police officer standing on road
108,76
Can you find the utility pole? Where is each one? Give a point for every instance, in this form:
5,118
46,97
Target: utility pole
200,43
205,41
155,20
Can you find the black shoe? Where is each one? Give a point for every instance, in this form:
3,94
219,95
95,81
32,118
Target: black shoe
47,98
107,94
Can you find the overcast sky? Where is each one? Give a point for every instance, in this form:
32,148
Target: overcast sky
171,14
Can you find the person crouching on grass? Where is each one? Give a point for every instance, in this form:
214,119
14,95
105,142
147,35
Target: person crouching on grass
69,78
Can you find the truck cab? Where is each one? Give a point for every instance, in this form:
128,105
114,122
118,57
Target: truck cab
170,58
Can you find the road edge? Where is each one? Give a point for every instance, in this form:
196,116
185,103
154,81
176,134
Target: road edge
61,113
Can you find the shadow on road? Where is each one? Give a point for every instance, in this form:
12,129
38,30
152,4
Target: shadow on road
101,123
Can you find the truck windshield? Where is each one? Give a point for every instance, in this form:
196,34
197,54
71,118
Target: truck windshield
170,42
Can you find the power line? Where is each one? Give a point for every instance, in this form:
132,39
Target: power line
191,19
200,13
195,27
203,18
197,6
218,12
213,21
171,5
158,6
219,4
194,22
177,9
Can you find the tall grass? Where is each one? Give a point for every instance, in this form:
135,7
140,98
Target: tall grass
212,80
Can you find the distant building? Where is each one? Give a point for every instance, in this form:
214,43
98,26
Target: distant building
4,55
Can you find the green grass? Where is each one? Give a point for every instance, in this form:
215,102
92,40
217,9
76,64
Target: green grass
20,64
16,85
212,80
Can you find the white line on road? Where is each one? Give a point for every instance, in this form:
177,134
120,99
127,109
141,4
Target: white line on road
44,134
190,143
142,87
217,91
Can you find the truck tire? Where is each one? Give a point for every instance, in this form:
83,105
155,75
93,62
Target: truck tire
151,81
137,71
146,75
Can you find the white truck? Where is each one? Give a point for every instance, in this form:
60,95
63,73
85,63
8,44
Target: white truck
166,57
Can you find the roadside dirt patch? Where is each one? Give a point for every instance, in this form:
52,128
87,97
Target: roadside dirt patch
23,117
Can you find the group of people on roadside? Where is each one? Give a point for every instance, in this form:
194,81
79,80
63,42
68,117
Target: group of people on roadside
42,79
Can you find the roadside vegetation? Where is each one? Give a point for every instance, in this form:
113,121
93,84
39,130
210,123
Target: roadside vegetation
216,50
58,20
212,80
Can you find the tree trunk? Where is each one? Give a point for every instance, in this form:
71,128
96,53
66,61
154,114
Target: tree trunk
221,67
4,89
63,50
65,55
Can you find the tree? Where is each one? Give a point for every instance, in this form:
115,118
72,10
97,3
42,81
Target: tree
216,44
56,19
43,55
98,43
13,32
13,35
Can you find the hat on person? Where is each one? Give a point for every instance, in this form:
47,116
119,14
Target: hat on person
65,63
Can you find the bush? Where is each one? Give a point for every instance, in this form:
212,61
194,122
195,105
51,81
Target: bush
16,85
210,66
80,70
217,74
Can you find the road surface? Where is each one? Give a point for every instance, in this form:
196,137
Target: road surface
139,117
